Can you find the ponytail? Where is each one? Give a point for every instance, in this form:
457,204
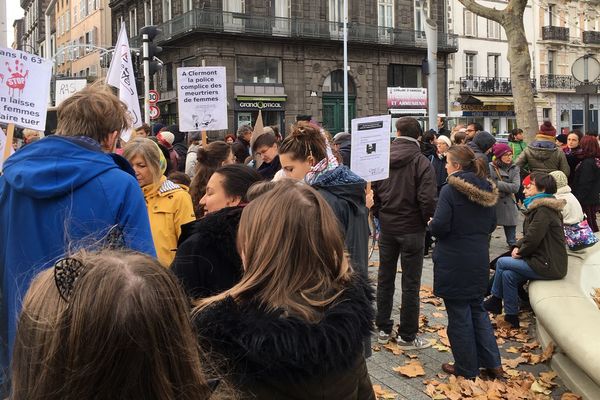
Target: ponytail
305,141
464,156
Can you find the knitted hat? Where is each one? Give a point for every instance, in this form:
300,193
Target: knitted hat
527,181
560,178
166,138
547,132
484,140
501,149
444,139
562,138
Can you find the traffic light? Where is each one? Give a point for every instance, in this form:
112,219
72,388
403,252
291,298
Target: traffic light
149,49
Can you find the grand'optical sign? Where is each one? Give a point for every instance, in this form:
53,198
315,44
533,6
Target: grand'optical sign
259,104
406,98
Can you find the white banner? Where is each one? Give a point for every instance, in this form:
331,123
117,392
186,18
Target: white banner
371,143
202,98
24,88
66,88
3,144
120,75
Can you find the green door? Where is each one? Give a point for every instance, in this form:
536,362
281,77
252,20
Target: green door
333,112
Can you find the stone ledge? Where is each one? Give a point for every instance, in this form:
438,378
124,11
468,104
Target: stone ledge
567,315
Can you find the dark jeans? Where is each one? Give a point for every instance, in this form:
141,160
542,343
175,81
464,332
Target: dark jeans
471,337
410,249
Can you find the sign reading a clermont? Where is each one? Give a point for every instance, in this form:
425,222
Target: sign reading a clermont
259,104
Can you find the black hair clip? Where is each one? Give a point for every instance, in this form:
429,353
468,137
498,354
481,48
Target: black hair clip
66,272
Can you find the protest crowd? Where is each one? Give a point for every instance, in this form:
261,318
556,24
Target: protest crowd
166,268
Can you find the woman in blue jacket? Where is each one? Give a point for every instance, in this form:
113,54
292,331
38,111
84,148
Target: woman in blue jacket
463,220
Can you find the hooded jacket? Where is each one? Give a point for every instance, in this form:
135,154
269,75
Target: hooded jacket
269,355
406,200
543,156
207,260
572,213
543,243
344,191
56,194
586,182
464,218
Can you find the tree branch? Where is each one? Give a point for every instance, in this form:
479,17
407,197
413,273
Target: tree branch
486,12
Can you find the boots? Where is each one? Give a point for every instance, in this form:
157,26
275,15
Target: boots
513,320
493,304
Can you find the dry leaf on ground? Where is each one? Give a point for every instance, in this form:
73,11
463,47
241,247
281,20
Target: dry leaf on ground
596,296
383,394
393,347
411,369
570,396
437,315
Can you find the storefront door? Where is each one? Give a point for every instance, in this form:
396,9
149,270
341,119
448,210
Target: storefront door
333,112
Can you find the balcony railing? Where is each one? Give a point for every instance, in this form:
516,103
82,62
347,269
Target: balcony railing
555,33
591,37
295,28
561,82
488,86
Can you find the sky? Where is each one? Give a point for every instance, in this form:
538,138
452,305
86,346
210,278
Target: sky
13,11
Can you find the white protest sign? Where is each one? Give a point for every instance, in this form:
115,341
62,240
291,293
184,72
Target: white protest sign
370,156
65,88
3,144
24,88
202,98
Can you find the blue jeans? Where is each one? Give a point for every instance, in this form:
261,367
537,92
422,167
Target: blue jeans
471,337
510,274
511,235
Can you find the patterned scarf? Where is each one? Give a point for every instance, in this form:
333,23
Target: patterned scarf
327,164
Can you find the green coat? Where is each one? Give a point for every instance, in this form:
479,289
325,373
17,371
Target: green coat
543,243
517,148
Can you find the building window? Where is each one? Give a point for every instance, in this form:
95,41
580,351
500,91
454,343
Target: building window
166,10
493,29
551,61
385,13
404,76
83,11
188,5
169,75
470,23
334,83
550,15
75,15
189,62
133,31
493,65
546,113
147,13
258,69
336,11
68,21
470,64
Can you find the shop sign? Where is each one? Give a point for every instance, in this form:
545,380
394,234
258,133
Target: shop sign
260,104
488,114
487,107
406,98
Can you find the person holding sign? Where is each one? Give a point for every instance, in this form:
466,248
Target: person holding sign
66,192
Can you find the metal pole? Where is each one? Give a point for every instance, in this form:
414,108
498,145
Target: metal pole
431,36
586,97
146,62
346,121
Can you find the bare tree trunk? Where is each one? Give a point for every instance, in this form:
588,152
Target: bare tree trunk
511,19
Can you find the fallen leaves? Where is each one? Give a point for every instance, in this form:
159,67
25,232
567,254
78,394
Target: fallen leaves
570,396
382,394
411,369
596,296
393,348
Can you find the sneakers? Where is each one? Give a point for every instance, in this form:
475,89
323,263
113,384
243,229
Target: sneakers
383,338
416,344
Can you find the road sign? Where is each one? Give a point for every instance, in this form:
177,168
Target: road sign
154,111
153,96
586,89
586,69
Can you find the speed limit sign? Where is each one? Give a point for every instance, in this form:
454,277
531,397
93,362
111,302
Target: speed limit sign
153,96
154,112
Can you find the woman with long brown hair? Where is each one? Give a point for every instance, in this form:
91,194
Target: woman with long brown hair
107,325
294,326
464,218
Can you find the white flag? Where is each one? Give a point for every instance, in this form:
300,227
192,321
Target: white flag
120,75
3,144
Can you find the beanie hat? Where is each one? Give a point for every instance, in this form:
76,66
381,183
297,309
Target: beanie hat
444,139
547,132
166,138
560,178
527,181
484,140
501,149
562,138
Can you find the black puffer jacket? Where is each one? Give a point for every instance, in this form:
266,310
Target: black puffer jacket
586,182
269,356
344,191
463,220
207,261
543,242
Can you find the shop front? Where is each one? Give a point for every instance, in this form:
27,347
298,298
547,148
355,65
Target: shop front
273,111
495,114
404,102
570,112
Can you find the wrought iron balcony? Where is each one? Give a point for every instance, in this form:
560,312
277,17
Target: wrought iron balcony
591,37
207,21
555,33
482,85
562,82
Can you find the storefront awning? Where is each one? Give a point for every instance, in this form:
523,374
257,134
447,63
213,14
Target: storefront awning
494,100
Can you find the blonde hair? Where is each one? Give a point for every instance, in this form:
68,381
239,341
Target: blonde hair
149,151
307,269
124,333
94,112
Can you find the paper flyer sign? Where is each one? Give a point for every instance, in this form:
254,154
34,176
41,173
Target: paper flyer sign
66,88
370,157
202,98
3,144
24,88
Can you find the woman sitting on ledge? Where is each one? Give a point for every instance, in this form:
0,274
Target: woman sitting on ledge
540,254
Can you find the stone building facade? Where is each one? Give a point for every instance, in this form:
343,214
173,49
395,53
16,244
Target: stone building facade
286,58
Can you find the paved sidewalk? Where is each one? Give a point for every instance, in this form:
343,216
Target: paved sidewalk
395,386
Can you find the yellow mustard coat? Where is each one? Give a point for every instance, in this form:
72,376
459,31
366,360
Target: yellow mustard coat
169,207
